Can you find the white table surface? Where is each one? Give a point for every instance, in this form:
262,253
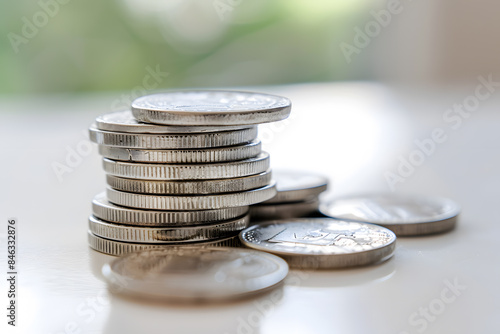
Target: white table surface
351,132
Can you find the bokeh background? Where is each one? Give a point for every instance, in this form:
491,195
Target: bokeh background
72,46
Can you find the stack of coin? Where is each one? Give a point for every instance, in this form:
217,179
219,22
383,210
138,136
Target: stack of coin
297,196
182,169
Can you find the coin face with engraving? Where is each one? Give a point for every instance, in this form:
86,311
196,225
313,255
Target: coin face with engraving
404,214
322,243
210,107
195,274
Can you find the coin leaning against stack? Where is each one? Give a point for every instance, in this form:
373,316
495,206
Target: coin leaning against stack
182,169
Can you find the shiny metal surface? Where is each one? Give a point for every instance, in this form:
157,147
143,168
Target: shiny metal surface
296,186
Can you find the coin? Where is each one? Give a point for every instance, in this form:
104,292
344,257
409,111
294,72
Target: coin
187,274
176,234
221,170
191,202
210,107
263,211
322,243
200,155
295,186
404,214
199,187
118,248
107,211
124,121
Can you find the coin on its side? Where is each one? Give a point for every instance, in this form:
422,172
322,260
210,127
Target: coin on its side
406,215
322,243
191,202
124,121
103,209
210,107
176,156
295,186
195,275
263,211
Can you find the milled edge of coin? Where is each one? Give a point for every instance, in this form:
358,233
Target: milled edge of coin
443,223
111,122
326,261
110,212
118,248
232,169
283,210
193,202
127,285
201,155
173,140
191,118
171,234
197,187
299,194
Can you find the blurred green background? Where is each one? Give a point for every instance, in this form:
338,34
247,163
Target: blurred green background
82,46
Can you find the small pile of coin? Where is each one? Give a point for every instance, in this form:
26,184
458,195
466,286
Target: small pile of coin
182,169
298,196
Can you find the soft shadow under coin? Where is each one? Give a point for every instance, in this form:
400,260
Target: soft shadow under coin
97,260
372,274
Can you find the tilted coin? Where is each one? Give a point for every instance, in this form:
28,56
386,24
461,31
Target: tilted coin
124,121
191,202
322,243
294,186
210,107
172,140
200,155
199,187
118,248
189,274
221,170
205,232
404,214
103,209
263,211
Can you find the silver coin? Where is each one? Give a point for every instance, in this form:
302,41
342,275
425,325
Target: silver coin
176,234
187,274
103,209
405,215
222,170
191,202
295,186
124,121
201,155
322,243
284,210
199,187
118,248
210,107
172,140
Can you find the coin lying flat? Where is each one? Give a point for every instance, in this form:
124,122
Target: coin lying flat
200,187
201,155
221,170
176,234
118,248
124,121
263,211
172,140
295,186
321,243
206,274
191,202
210,107
103,209
405,215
